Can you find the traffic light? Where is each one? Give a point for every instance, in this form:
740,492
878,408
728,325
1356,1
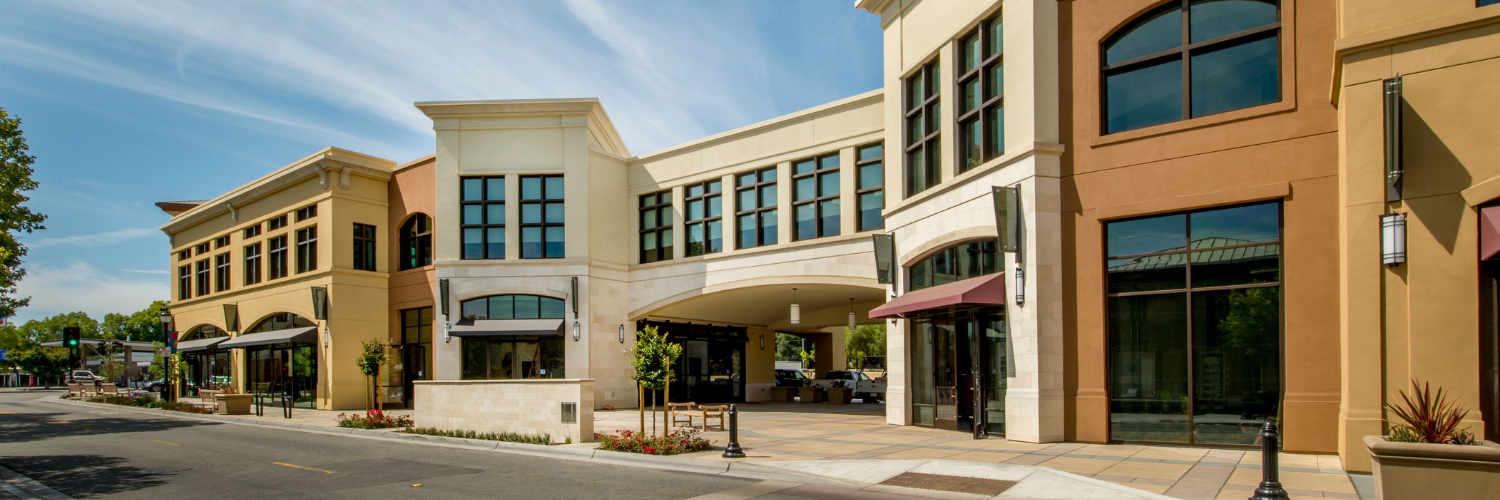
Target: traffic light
70,337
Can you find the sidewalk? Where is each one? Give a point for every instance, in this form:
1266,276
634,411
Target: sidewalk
306,416
798,432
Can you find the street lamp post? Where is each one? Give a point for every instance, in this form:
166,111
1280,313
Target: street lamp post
168,389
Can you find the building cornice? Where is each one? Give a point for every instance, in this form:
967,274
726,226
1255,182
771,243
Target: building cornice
599,121
739,133
1346,46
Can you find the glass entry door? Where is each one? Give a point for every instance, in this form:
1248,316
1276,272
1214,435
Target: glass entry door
277,373
710,371
959,367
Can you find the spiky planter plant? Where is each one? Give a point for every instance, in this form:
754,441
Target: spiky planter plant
1428,454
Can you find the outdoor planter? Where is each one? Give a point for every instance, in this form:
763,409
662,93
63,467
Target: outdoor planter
783,394
840,395
235,404
812,394
1430,470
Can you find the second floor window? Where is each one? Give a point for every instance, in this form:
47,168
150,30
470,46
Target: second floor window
307,212
252,231
815,199
364,247
981,107
542,216
185,254
483,230
276,223
252,264
1191,58
870,186
755,213
416,242
221,242
307,249
276,265
656,227
923,114
705,222
184,282
202,270
221,272
202,249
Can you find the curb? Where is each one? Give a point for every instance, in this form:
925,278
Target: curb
26,488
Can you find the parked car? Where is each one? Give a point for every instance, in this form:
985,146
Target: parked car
157,385
865,388
84,377
790,378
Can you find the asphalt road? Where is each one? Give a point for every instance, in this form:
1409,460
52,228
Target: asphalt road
90,453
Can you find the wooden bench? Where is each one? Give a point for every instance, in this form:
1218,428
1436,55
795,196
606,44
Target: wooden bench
75,390
678,410
109,390
210,399
713,412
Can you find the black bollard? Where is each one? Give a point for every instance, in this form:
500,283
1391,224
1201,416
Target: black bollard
733,450
1270,485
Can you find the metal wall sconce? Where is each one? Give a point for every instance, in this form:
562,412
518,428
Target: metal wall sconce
851,314
443,297
796,309
575,298
1393,165
622,334
320,302
1392,239
762,342
446,336
1020,284
575,331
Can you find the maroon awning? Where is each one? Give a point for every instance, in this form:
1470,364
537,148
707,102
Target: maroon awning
981,291
1489,232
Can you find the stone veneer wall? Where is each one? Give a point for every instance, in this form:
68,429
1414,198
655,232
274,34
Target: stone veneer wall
530,406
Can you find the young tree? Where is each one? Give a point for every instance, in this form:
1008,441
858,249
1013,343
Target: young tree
652,357
369,361
15,178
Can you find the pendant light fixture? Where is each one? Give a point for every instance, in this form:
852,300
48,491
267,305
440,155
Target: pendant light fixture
796,309
851,314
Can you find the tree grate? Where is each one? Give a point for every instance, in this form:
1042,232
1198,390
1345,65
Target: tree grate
988,487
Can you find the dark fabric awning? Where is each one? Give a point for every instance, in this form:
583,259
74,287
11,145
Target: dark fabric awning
981,291
507,327
1489,232
302,335
200,344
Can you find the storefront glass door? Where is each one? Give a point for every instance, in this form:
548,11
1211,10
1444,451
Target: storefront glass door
959,367
277,372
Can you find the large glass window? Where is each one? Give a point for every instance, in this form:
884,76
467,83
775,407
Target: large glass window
955,263
221,272
1192,58
541,216
276,266
416,242
364,247
514,307
923,116
483,219
656,227
952,355
981,87
184,282
870,186
1195,325
202,269
252,264
756,208
502,358
705,223
815,197
307,249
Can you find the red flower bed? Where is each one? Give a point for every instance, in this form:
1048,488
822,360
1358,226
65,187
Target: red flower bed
373,419
675,443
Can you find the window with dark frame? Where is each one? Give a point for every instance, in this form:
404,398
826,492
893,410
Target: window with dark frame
307,249
1191,58
656,226
416,242
185,254
981,93
221,272
869,186
703,214
955,263
203,270
364,247
482,228
276,264
252,264
185,282
276,223
202,249
307,212
542,217
1483,3
756,216
221,242
815,197
517,306
923,119
252,231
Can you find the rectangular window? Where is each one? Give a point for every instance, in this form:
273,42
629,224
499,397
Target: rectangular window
252,231
704,217
307,212
221,272
755,213
503,358
1483,3
184,282
923,113
483,224
981,88
364,247
202,249
869,186
416,326
221,242
276,265
252,264
541,216
307,249
276,223
815,197
656,227
202,268
1194,325
185,254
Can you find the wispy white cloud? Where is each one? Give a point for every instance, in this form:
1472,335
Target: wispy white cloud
143,271
92,240
79,286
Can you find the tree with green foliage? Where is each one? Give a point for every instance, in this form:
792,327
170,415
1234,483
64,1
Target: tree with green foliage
788,347
15,179
51,328
46,363
143,325
371,358
652,356
866,340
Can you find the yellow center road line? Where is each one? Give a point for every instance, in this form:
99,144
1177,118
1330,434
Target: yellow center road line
164,442
49,420
301,467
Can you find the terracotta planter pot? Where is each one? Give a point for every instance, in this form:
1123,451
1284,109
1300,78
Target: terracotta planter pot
812,394
784,394
840,395
1425,470
235,404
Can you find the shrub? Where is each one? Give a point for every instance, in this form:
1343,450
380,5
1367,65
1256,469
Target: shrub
373,419
1430,418
145,402
674,443
488,436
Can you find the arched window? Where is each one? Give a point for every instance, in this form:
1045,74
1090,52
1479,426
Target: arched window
1191,58
958,262
513,307
204,332
280,321
416,242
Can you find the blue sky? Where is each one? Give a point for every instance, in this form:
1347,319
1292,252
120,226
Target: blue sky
127,104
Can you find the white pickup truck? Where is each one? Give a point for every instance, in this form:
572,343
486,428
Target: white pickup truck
865,388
